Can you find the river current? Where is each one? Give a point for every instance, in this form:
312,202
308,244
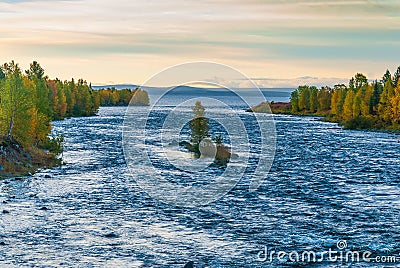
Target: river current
326,186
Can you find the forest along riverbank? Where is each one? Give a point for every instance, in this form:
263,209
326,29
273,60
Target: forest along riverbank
326,185
360,105
30,101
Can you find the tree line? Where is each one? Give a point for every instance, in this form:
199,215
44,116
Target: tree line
115,97
29,101
358,105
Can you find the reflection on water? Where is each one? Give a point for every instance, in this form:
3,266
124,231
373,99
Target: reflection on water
326,184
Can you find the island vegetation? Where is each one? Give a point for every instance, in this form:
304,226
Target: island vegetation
30,101
359,105
201,143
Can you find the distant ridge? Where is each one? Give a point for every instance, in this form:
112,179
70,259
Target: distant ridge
273,94
186,88
117,86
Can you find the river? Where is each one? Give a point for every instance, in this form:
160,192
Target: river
325,185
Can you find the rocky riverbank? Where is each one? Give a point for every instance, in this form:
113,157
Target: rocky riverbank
17,160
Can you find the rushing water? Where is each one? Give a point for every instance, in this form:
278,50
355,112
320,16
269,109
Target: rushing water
326,184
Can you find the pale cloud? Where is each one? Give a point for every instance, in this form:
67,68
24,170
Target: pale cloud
277,39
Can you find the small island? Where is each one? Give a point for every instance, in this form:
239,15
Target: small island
201,144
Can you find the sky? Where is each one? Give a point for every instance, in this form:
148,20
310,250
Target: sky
276,43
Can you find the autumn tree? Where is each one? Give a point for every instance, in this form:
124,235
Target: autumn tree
324,99
395,105
384,106
304,98
313,99
294,100
348,105
140,97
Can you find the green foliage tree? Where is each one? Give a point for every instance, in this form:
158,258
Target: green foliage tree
375,97
35,71
360,81
13,98
29,102
386,77
199,125
396,77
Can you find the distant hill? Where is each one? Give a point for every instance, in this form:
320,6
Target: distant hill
119,86
276,94
183,89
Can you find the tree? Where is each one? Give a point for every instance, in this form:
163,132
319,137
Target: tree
140,97
313,99
294,100
198,125
62,100
366,95
348,105
335,102
386,77
69,89
15,102
374,100
35,71
324,99
304,98
338,99
395,105
356,104
396,77
384,106
360,80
